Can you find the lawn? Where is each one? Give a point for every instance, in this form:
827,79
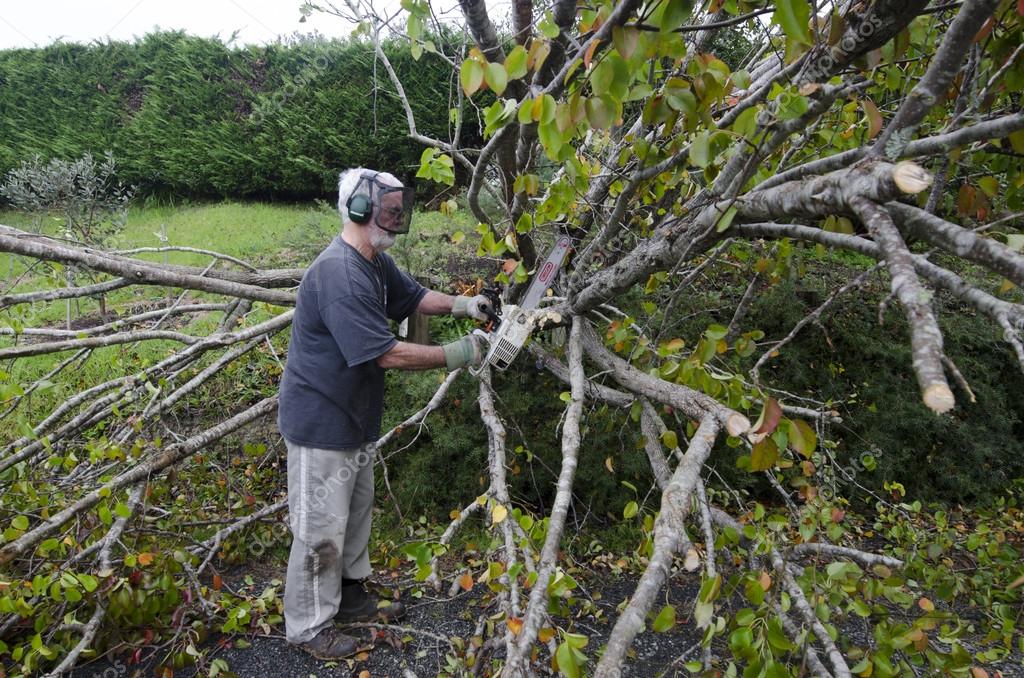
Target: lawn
263,234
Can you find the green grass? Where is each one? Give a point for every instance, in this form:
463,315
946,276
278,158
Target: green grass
263,234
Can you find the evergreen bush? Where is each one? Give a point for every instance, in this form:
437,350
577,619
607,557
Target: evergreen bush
189,116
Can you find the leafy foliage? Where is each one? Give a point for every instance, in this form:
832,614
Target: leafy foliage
193,116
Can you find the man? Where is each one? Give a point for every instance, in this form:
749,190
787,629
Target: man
332,395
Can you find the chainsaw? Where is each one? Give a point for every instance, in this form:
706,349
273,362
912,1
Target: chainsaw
508,328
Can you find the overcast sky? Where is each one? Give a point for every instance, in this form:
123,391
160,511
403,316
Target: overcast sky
24,23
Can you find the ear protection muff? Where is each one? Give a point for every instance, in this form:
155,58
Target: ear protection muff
359,208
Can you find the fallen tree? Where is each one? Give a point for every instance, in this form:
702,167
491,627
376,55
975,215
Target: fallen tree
614,125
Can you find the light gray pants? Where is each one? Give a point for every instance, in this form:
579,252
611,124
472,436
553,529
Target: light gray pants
330,499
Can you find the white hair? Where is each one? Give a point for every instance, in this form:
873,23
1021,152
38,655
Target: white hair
349,179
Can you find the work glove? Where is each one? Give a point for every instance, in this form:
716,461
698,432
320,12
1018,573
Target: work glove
472,307
469,350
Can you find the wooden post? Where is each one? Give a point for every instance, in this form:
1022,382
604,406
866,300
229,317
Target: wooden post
419,329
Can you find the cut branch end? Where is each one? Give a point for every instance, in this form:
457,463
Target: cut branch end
910,177
736,425
939,398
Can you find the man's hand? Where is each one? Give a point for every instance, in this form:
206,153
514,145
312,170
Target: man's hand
469,350
472,307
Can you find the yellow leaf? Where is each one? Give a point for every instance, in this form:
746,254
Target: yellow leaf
466,581
515,625
692,561
608,465
978,672
545,634
145,558
765,580
926,605
874,117
498,514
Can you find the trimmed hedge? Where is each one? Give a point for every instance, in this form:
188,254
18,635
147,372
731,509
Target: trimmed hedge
190,116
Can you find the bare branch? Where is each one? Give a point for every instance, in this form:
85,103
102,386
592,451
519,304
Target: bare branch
693,403
931,88
144,273
675,505
960,241
536,610
65,293
152,464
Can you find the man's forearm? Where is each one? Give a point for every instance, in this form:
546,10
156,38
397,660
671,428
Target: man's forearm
435,303
406,356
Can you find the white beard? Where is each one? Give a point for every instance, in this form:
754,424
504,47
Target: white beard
381,239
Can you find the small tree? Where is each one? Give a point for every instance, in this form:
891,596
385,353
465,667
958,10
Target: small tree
85,192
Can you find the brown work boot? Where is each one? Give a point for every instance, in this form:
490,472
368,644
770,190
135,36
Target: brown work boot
360,605
331,645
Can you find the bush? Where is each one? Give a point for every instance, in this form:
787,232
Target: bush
191,116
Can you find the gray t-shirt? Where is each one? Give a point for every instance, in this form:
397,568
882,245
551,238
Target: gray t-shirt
332,392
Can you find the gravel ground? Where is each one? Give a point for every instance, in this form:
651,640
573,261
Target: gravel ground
419,645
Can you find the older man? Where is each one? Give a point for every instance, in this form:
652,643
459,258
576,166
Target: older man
332,395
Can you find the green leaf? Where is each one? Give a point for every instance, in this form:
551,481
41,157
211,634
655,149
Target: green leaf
88,581
497,115
515,63
599,114
548,27
777,637
630,510
550,138
567,661
471,76
525,113
496,78
715,332
625,40
792,16
802,438
676,12
602,77
436,166
741,640
726,220
525,223
612,77
670,439
521,275
989,186
699,150
791,106
665,620
20,523
764,455
122,510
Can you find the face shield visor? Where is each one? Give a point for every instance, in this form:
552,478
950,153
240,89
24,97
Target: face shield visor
392,205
